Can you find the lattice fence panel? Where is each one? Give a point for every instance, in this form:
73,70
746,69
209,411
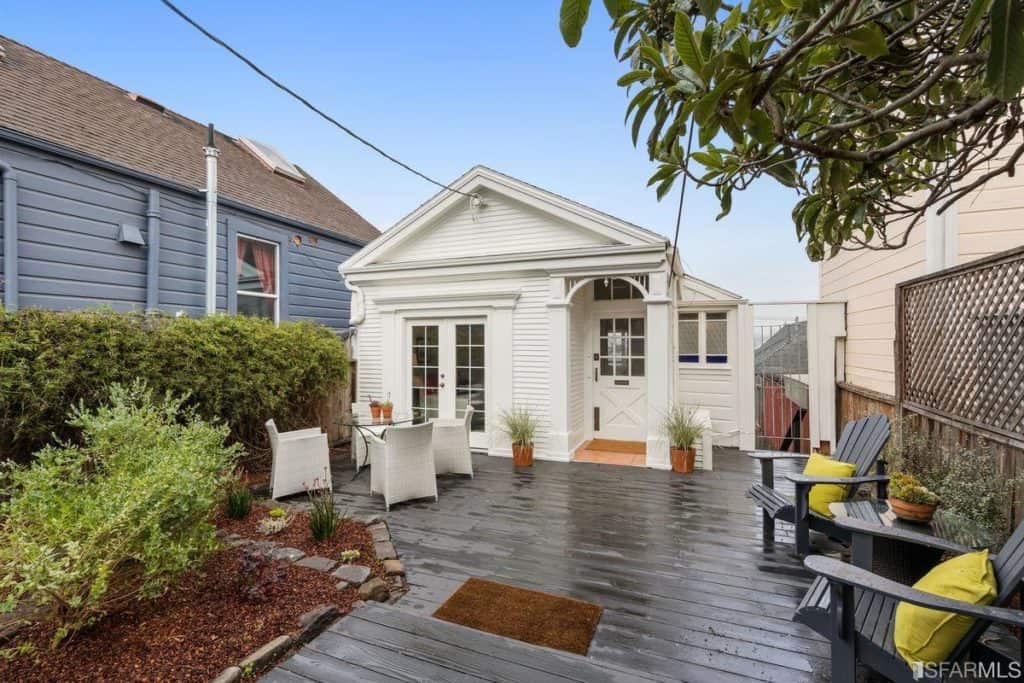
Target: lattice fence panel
961,344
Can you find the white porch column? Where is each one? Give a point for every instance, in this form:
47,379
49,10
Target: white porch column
500,382
826,322
557,447
745,408
660,380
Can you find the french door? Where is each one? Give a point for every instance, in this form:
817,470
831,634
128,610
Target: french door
448,371
620,381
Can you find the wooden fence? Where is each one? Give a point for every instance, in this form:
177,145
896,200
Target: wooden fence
960,356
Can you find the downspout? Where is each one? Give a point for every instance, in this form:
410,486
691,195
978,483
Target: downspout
10,190
153,255
211,153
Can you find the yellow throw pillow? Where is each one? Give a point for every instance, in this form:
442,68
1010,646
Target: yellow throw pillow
822,494
928,635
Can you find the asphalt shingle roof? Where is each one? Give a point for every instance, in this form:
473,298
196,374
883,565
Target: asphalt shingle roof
45,98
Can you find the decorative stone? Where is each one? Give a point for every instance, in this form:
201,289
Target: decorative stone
287,554
321,564
385,550
379,531
352,573
394,568
370,520
374,589
341,585
220,533
314,621
229,675
235,540
266,654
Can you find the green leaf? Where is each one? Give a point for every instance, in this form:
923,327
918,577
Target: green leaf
616,8
1005,73
686,43
634,76
726,202
709,8
792,4
868,40
978,9
571,20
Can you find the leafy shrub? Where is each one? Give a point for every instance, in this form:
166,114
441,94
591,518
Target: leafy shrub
324,517
681,427
351,555
907,487
235,369
237,498
89,528
276,512
519,425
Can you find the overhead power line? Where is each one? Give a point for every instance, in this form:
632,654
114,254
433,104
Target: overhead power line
309,105
682,196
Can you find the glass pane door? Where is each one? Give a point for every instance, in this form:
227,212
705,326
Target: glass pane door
425,372
621,349
470,373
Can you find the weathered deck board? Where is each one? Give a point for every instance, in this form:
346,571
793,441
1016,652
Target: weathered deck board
677,562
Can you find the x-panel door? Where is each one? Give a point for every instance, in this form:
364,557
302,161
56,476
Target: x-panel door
620,382
448,371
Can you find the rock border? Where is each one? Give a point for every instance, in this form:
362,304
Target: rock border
314,622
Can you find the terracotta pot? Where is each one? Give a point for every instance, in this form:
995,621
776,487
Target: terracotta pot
683,460
375,412
912,512
386,411
522,456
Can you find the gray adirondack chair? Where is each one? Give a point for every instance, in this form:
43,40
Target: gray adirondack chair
860,443
855,609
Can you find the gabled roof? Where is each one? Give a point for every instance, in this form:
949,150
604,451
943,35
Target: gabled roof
47,99
704,291
481,179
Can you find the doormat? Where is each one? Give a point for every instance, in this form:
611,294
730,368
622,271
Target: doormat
616,446
530,616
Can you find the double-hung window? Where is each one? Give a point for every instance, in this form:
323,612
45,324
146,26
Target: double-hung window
256,275
704,338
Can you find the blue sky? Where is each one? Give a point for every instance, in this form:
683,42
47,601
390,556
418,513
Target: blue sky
443,85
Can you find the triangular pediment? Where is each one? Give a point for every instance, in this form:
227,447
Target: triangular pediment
694,291
496,215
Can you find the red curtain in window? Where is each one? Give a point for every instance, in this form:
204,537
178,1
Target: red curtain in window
263,257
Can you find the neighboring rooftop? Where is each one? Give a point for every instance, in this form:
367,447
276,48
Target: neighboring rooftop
48,99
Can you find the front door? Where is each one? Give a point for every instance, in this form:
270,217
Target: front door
620,383
447,372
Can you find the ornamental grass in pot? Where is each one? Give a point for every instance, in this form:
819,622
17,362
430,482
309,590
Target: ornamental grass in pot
519,425
910,500
683,429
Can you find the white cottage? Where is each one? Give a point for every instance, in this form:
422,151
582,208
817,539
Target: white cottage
521,297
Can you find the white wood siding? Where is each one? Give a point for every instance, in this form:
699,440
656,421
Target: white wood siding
713,389
502,226
369,380
531,365
578,356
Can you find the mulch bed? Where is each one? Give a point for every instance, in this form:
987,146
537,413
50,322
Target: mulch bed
530,616
350,534
191,633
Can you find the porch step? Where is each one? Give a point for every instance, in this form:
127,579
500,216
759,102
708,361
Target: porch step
382,643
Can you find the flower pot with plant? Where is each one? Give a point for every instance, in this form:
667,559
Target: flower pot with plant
375,409
520,426
386,408
910,500
682,428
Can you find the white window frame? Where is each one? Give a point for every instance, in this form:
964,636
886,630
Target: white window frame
276,296
702,339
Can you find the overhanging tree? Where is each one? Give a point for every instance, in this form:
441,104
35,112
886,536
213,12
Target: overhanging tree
872,111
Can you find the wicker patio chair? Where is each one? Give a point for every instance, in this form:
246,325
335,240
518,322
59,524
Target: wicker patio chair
402,464
451,445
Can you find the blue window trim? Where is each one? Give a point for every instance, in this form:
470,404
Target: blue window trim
689,358
238,227
718,359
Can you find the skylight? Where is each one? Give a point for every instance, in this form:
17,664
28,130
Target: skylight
272,158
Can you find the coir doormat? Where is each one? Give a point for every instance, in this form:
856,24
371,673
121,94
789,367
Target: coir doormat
530,616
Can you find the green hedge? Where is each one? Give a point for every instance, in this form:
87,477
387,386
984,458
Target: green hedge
236,369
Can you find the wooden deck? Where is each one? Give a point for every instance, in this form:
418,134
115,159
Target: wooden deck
677,562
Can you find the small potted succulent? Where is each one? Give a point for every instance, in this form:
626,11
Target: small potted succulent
519,426
910,500
375,408
681,427
387,408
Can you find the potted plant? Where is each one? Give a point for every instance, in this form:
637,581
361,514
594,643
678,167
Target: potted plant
520,426
386,408
910,500
683,429
375,409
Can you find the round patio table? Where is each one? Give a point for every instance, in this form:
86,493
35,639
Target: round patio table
365,425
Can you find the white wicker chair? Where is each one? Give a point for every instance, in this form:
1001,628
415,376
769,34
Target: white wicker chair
402,464
299,458
451,445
